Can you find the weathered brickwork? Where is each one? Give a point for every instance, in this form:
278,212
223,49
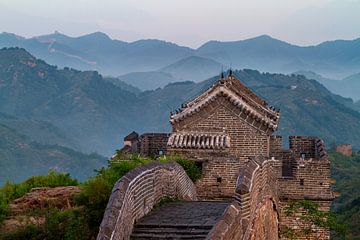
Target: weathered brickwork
153,144
254,212
246,141
294,223
147,144
135,194
310,179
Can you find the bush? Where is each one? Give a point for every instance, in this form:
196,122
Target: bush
30,232
66,225
4,208
190,167
96,191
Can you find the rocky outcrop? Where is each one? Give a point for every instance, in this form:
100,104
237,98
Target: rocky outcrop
37,199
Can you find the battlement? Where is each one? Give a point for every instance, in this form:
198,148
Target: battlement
304,147
147,144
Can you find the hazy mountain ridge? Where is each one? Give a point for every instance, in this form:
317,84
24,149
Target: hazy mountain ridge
357,105
347,87
78,103
193,68
96,114
147,80
21,158
96,51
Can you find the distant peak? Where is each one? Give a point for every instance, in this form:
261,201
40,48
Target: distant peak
264,36
11,35
96,35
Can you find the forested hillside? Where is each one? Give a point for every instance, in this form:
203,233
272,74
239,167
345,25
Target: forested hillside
21,158
93,114
346,171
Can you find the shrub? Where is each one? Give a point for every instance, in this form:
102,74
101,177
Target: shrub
30,232
66,225
190,167
96,191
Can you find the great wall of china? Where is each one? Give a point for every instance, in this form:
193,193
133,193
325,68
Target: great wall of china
248,178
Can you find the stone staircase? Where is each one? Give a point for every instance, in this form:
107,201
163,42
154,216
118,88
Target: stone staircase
179,220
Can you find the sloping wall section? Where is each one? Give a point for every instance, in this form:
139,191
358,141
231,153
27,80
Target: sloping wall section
135,194
256,202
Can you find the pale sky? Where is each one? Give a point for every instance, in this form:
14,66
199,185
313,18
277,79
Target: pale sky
186,22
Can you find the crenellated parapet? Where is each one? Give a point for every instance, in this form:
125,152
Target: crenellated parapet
136,193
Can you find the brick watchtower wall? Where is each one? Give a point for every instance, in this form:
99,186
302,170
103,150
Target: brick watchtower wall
153,144
254,212
305,175
221,166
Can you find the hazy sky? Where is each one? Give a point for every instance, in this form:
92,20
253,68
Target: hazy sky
186,22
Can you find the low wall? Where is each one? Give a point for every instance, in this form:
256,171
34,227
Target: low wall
256,202
135,194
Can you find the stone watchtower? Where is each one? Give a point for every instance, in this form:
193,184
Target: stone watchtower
221,129
228,131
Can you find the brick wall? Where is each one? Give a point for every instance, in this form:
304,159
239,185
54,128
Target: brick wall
253,214
295,223
135,194
245,141
151,144
303,145
222,116
220,171
309,178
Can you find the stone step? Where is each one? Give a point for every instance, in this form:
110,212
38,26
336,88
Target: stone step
150,236
176,226
167,230
179,220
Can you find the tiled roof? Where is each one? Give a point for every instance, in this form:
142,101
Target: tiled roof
132,136
246,103
199,140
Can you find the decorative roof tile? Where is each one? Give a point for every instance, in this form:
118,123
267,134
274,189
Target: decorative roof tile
199,140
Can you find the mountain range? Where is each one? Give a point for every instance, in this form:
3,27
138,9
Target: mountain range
347,87
96,51
21,157
89,113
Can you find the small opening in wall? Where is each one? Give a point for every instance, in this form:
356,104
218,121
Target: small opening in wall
321,183
218,179
199,165
301,182
303,155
